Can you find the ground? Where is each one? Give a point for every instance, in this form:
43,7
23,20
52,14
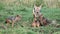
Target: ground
24,26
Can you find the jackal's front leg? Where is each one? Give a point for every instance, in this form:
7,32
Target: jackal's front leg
13,23
41,20
33,24
37,24
44,21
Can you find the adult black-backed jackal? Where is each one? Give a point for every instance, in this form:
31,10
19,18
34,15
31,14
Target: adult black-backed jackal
12,19
37,10
38,16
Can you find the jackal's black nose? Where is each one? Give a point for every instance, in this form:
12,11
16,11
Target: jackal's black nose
37,12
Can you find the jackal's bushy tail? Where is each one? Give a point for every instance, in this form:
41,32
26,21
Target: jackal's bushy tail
54,22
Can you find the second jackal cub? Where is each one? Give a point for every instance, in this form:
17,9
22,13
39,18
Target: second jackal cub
12,20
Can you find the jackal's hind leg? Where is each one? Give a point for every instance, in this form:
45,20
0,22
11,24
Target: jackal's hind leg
8,22
44,22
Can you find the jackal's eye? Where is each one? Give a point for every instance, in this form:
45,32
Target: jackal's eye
34,8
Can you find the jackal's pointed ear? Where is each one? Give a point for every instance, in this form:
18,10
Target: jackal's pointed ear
40,5
35,6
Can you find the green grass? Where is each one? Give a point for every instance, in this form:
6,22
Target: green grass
13,9
27,17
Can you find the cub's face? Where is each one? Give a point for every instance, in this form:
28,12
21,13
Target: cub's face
18,18
37,9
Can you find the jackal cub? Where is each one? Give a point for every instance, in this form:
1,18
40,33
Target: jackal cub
12,19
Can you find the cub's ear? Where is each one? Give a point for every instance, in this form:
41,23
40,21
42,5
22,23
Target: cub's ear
41,5
35,6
